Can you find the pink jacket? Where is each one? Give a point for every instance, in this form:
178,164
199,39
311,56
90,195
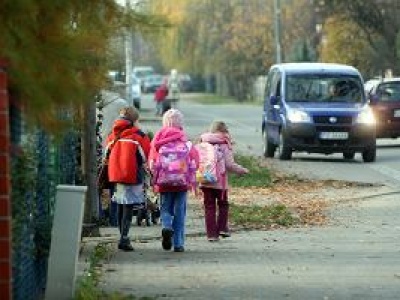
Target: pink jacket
164,136
231,166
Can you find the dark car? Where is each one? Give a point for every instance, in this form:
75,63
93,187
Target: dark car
152,82
185,83
317,108
384,97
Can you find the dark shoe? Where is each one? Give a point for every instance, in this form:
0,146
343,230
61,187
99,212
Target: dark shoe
224,234
179,249
166,242
126,247
213,239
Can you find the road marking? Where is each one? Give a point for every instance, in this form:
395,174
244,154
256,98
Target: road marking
387,171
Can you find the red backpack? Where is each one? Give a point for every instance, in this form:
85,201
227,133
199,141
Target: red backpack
124,167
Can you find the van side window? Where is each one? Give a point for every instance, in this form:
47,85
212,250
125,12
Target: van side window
278,88
267,90
268,84
276,85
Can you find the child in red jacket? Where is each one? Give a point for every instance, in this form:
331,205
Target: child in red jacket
159,96
129,151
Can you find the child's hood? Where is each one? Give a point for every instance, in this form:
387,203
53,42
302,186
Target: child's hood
216,138
168,134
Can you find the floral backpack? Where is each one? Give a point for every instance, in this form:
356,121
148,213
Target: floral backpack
212,164
174,167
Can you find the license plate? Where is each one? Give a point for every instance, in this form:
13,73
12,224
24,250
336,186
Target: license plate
396,113
334,135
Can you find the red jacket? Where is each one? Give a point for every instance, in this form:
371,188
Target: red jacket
125,163
161,93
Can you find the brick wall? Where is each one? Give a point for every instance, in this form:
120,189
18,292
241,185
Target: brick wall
5,190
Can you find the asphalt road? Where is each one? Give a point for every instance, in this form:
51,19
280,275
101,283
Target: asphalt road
244,122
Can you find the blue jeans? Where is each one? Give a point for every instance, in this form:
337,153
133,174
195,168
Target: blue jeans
173,215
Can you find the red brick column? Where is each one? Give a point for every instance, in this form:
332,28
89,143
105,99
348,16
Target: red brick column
5,191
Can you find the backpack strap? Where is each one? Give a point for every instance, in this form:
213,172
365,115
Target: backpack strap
140,149
111,144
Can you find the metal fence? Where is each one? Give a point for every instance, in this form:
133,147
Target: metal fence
53,163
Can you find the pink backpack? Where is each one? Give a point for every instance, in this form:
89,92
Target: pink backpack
173,166
212,164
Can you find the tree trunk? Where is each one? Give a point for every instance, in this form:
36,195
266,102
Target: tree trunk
89,164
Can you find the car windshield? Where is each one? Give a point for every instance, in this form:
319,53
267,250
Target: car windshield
323,88
143,73
389,92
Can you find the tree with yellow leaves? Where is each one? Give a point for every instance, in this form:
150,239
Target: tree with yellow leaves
344,42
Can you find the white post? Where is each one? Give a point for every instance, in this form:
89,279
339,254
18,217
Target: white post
128,61
65,242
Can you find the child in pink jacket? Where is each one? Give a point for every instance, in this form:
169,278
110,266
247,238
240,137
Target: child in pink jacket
173,198
216,194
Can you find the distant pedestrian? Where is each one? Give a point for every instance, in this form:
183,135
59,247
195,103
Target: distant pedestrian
215,194
160,97
130,148
173,162
174,88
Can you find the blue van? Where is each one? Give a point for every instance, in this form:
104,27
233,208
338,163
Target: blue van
317,108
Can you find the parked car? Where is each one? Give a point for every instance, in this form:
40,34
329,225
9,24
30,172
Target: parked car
152,82
185,82
136,92
317,108
141,72
384,98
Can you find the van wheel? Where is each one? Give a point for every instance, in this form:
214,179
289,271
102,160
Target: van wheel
269,148
349,154
369,154
285,152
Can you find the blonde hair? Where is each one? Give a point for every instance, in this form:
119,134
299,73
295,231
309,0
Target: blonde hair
219,126
130,113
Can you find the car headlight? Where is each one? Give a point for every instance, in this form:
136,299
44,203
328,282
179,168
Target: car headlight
366,116
298,116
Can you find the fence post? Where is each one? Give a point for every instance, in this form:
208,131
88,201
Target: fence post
5,190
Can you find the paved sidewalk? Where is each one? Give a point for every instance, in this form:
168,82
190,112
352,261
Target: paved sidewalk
356,257
194,227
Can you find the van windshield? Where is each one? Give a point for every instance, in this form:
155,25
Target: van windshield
323,88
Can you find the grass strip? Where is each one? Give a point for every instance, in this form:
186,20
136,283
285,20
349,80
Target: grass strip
254,216
258,175
87,287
